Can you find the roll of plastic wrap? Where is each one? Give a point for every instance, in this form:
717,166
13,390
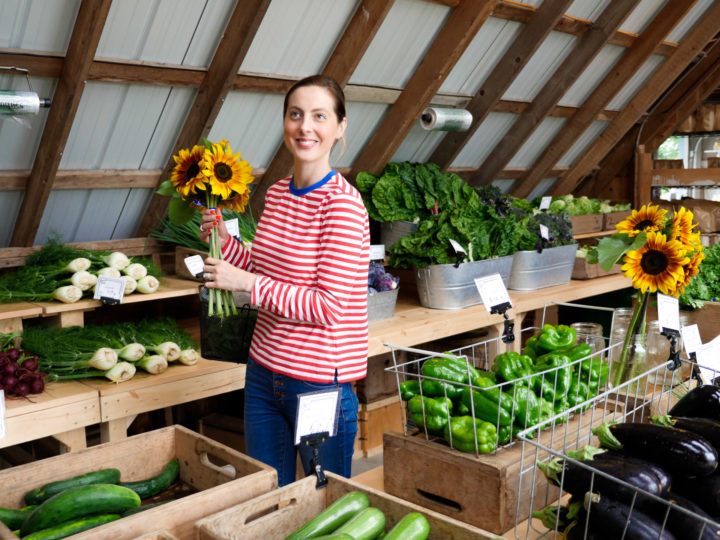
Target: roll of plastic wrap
435,119
17,103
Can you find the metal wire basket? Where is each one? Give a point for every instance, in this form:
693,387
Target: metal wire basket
653,392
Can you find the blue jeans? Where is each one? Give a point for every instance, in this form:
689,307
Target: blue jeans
270,414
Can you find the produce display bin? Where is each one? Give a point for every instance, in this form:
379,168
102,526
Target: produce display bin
381,305
653,392
217,476
391,231
532,270
584,270
587,223
610,219
276,514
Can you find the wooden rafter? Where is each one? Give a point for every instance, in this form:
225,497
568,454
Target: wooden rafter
452,40
81,49
366,21
693,44
239,34
628,64
512,62
576,62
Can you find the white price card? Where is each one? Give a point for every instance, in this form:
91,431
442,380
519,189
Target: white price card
457,247
544,232
110,288
2,414
195,264
545,203
708,360
232,226
317,412
668,312
492,291
691,338
377,252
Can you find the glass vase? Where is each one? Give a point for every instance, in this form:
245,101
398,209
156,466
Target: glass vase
632,359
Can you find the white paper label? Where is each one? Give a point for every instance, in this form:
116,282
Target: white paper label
708,360
691,338
377,252
111,288
2,414
492,291
457,247
232,226
545,203
668,312
195,264
317,412
544,232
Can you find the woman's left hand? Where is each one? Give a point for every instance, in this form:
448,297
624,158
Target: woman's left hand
220,274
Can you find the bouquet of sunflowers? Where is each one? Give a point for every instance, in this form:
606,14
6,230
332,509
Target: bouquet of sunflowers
208,175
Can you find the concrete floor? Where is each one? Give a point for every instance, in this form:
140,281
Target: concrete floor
364,464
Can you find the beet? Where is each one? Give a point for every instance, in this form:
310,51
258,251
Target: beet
9,382
37,386
31,364
14,354
21,389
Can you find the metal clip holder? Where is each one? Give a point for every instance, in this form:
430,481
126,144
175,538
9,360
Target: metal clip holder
672,336
315,440
109,301
508,333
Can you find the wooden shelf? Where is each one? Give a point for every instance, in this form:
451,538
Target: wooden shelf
598,234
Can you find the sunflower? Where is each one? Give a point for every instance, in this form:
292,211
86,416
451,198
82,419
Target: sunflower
236,202
682,227
657,265
226,173
649,218
692,269
187,174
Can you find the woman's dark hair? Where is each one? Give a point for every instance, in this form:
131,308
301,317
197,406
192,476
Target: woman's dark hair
323,82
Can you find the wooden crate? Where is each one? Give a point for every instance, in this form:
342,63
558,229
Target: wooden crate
587,223
611,219
157,535
276,514
180,267
225,429
203,467
376,418
584,270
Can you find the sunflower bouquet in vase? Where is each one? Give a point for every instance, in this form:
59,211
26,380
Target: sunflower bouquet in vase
661,252
209,175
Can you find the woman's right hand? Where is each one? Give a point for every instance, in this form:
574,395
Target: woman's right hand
210,218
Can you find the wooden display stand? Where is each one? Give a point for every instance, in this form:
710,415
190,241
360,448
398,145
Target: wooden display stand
376,418
221,476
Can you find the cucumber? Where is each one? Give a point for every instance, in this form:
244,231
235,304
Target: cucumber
138,509
77,502
332,517
366,525
333,537
13,518
103,476
156,484
413,526
71,527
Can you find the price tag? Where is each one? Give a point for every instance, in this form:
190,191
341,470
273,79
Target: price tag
691,338
377,252
195,264
545,203
109,288
708,360
2,414
317,412
232,226
544,232
457,247
668,312
492,291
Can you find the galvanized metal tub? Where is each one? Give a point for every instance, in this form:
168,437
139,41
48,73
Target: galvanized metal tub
532,270
442,286
391,231
381,305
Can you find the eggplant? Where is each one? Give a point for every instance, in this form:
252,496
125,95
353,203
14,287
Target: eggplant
685,525
700,402
703,491
616,518
680,452
706,427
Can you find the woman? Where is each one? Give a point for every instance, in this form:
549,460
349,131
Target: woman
307,274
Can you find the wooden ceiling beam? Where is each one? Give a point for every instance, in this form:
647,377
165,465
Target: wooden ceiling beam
586,49
453,38
693,44
366,21
81,50
606,90
502,76
237,38
12,180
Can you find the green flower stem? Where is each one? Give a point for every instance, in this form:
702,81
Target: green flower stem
636,326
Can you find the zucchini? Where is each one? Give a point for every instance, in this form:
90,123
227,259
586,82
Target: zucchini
103,476
700,402
71,527
13,518
365,525
142,508
332,517
333,537
156,484
413,526
77,502
618,520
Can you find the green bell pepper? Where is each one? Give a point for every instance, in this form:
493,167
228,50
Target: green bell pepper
491,404
459,408
510,366
552,338
409,389
449,371
431,412
532,347
579,392
547,410
576,352
462,431
556,383
594,372
526,407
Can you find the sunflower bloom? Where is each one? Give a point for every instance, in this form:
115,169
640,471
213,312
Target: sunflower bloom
650,218
226,173
682,227
237,202
692,269
187,174
657,266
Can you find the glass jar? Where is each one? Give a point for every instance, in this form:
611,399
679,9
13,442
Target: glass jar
590,333
620,324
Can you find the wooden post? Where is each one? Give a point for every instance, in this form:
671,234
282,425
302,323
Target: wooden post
643,176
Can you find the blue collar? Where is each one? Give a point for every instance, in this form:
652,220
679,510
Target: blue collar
303,191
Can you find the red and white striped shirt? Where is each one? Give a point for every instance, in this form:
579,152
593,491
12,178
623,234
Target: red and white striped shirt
311,253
